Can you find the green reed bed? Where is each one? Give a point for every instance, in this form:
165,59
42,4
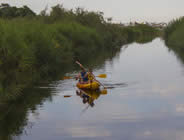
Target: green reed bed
174,33
38,47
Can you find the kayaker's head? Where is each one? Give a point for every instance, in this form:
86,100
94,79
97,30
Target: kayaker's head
90,70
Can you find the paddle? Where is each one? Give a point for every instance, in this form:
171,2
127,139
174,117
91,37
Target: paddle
77,62
70,77
101,76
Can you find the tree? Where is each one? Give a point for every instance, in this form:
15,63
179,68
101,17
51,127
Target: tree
58,12
6,11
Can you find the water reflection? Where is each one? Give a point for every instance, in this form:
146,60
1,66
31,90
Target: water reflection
179,53
89,96
115,85
14,117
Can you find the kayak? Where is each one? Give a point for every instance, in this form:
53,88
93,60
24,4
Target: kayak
91,86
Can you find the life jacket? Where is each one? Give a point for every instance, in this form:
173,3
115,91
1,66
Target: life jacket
85,79
90,76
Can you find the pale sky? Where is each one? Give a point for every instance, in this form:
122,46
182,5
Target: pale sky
120,10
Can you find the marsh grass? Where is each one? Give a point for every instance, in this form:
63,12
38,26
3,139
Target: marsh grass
174,33
38,48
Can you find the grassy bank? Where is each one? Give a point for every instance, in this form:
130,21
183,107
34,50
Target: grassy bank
38,47
174,33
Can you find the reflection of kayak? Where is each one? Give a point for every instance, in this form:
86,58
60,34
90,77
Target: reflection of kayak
94,93
89,96
90,86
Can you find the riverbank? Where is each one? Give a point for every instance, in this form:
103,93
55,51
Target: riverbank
173,33
41,47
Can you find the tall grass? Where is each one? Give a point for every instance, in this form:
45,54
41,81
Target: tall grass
38,48
174,33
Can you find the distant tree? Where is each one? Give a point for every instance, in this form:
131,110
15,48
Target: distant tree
44,12
4,5
89,18
58,12
109,19
24,11
6,11
80,11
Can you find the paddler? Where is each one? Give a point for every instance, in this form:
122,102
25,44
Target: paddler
83,75
91,76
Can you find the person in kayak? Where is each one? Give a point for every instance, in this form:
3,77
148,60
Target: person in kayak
85,78
91,76
82,76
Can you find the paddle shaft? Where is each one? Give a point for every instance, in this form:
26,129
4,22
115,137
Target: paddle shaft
70,77
77,62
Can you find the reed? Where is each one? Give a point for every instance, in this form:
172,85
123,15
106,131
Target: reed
38,47
174,33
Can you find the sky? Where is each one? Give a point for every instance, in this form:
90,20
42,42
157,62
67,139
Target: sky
122,11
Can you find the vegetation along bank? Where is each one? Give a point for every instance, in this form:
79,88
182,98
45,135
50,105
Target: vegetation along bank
38,47
173,35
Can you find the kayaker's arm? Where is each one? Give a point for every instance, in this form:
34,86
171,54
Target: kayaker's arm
77,62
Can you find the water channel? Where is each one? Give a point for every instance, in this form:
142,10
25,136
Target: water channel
144,100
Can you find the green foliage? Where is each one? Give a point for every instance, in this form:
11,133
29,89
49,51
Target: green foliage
34,49
6,11
174,33
172,26
142,33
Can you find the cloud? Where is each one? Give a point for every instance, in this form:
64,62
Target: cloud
87,131
147,133
180,108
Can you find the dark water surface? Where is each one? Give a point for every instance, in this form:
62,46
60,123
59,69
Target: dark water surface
144,100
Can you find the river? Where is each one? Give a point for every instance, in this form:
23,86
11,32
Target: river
144,100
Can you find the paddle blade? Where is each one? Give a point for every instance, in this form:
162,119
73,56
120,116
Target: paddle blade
104,91
67,96
102,76
67,77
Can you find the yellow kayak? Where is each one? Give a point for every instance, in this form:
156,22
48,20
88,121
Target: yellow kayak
90,86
